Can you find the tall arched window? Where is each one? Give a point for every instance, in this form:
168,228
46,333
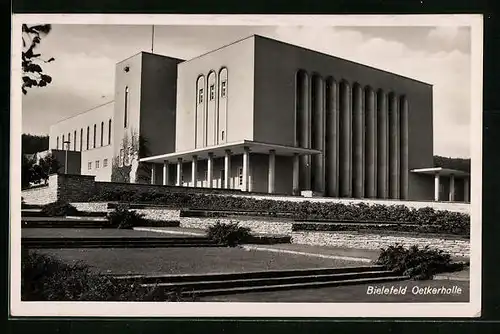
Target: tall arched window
125,116
222,106
95,135
57,142
109,133
102,133
81,139
211,123
200,112
74,141
88,137
69,141
62,146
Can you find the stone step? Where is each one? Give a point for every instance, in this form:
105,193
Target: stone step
146,279
293,286
268,281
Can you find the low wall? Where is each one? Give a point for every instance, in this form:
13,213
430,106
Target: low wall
39,195
256,226
101,186
456,247
152,214
42,195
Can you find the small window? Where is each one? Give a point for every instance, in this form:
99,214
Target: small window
240,176
222,135
200,95
212,92
90,165
105,163
223,89
97,164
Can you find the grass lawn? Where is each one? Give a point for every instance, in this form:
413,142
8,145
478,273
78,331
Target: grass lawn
91,232
350,294
189,260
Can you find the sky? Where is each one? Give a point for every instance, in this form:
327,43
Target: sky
83,72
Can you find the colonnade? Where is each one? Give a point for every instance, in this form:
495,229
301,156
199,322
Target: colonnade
362,133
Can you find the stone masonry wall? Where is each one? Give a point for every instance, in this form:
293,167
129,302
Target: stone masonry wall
40,195
153,213
77,188
256,226
456,247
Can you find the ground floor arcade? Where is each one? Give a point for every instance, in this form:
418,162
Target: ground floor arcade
247,166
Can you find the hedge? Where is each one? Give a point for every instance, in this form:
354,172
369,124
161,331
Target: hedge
451,229
45,278
299,210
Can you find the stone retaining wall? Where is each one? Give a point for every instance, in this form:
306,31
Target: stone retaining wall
256,226
152,214
374,241
42,195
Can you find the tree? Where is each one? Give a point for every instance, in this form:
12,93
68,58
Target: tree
48,165
34,143
26,170
33,75
126,166
452,163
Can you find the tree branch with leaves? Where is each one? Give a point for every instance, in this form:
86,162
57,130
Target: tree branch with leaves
33,75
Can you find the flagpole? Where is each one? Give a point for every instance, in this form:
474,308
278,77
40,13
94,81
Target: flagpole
152,39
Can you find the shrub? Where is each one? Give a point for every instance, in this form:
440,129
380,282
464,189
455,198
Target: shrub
463,231
228,234
59,209
418,263
123,218
48,279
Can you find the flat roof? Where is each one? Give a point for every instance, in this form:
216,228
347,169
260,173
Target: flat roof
234,147
441,171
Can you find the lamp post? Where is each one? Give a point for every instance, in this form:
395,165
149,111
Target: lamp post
66,157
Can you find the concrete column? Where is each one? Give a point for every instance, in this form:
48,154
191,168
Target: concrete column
394,147
210,170
227,169
452,188
179,172
246,166
371,144
305,127
295,178
382,146
466,189
194,170
318,134
332,138
153,174
358,142
271,172
436,187
404,148
345,141
165,173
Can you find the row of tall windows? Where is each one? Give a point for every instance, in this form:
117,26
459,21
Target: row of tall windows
76,144
211,108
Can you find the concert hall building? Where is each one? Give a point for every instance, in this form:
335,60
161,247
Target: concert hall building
264,116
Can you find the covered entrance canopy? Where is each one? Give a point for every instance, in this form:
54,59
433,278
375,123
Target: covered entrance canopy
439,172
244,148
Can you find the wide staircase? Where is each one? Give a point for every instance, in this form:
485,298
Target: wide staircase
261,281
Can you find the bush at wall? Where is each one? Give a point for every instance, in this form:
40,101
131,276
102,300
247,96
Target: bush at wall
123,218
298,210
418,263
228,234
59,209
452,229
48,279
